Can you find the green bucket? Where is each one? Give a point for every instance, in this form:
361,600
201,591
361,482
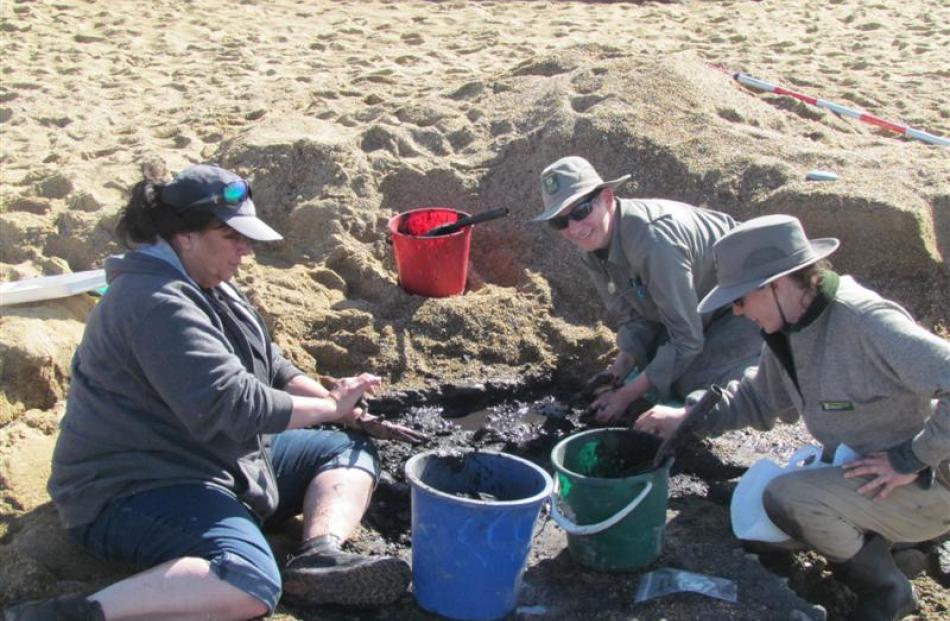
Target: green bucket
609,498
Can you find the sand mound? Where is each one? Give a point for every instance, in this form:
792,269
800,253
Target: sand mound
698,138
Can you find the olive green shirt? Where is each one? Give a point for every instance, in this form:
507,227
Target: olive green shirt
658,266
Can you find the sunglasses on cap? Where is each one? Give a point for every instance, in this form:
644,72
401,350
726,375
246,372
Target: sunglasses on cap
233,193
578,213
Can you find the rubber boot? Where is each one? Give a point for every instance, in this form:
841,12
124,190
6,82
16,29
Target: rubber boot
65,608
772,547
320,573
884,592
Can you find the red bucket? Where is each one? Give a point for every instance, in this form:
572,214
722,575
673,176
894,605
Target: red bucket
435,267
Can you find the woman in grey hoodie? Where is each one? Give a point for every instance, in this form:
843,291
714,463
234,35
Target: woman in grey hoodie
858,371
186,431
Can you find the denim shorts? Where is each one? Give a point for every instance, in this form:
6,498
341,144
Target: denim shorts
204,521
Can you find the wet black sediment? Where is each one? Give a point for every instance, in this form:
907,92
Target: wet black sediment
458,399
527,420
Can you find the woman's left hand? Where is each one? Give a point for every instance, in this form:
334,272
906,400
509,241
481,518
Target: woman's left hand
348,391
886,479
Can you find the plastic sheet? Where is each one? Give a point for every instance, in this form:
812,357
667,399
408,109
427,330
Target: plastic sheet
665,581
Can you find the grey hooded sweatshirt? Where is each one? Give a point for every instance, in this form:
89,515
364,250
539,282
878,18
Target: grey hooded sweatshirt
169,388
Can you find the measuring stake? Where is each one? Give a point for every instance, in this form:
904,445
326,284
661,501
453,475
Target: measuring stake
762,85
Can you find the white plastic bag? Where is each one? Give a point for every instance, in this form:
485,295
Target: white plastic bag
749,519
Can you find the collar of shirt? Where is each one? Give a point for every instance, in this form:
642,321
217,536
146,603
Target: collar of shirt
823,297
238,304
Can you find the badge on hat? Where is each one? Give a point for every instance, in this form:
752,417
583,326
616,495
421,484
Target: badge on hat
551,184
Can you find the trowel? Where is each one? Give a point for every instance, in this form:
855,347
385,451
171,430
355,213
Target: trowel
446,229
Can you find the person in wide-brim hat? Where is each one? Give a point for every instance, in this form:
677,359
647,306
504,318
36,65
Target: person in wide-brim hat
759,252
650,260
860,373
566,181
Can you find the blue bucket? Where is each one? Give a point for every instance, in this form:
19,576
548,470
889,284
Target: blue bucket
473,517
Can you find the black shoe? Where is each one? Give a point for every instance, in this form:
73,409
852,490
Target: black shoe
323,574
884,592
65,608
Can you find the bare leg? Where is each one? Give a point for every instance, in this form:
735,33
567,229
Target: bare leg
321,573
182,589
335,502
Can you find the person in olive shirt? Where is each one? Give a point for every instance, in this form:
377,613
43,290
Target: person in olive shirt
650,261
857,370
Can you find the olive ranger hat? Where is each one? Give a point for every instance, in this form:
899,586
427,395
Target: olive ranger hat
568,180
759,251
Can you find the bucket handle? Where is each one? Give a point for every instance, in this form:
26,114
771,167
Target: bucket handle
592,529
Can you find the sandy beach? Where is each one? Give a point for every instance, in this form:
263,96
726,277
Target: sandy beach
343,114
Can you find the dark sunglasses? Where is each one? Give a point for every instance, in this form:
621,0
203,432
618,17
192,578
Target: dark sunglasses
233,193
580,211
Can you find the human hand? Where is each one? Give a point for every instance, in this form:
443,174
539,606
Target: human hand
660,420
386,430
885,480
348,391
609,406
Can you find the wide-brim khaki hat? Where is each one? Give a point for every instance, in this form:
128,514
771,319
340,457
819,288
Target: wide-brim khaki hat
568,180
759,251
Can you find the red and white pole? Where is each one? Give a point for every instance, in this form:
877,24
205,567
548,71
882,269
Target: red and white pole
762,85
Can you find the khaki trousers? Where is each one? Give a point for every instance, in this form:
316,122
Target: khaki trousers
823,510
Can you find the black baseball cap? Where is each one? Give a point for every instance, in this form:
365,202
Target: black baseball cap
223,193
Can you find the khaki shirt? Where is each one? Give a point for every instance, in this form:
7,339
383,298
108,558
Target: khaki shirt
868,377
659,265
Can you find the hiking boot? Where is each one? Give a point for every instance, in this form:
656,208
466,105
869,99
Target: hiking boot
321,573
884,592
65,608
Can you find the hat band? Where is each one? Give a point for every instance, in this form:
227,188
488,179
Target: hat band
753,268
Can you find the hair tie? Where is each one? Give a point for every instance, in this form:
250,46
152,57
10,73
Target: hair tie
155,175
152,195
